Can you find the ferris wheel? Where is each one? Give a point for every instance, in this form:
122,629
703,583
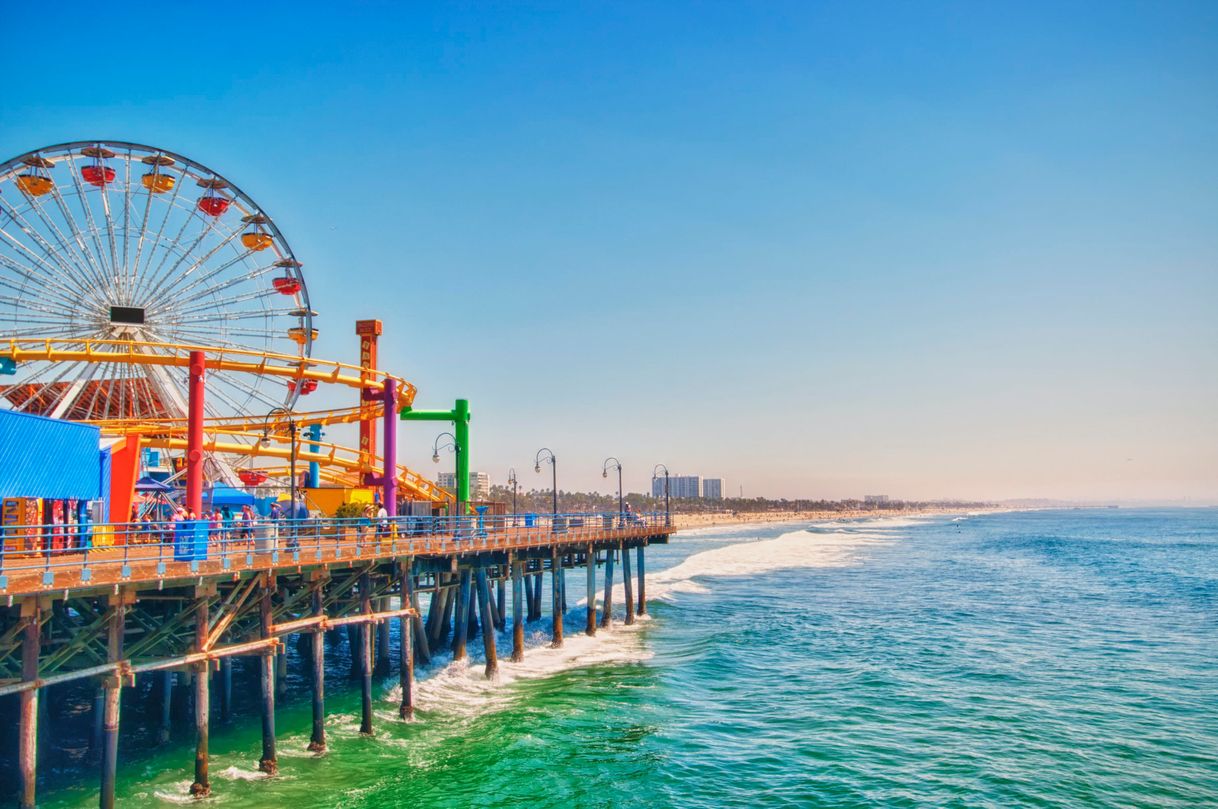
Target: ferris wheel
106,240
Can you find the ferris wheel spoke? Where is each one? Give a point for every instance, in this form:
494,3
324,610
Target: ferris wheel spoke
127,217
249,275
171,289
83,201
236,299
206,229
119,270
47,250
58,302
170,207
75,255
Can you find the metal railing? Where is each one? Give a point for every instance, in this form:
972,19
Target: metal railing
44,557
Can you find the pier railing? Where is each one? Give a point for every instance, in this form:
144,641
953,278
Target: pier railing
51,557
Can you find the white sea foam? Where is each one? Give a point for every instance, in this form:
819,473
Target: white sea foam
462,688
795,549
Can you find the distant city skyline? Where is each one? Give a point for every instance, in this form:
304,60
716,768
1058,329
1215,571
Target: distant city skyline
960,251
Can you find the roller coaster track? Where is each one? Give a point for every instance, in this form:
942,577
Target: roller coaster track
223,434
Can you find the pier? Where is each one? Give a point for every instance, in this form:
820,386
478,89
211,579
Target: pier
168,601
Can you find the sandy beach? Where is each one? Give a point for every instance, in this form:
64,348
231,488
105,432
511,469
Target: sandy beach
688,521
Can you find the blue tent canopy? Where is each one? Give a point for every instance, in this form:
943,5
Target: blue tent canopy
147,484
228,496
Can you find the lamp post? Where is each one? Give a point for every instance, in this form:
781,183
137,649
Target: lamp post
621,507
515,484
549,457
667,518
266,439
456,448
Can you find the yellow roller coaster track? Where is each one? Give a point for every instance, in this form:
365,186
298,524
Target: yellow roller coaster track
177,355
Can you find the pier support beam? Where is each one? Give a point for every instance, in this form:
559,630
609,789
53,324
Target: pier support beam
627,586
202,784
317,741
113,690
382,641
517,608
365,597
166,706
556,607
488,624
607,610
406,626
461,630
590,629
269,763
642,581
27,739
226,688
501,604
422,650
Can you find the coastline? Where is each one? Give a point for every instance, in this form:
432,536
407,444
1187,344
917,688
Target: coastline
683,522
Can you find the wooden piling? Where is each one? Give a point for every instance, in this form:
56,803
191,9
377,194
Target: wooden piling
382,641
226,688
627,586
517,609
406,625
642,610
422,650
116,621
446,615
435,609
556,600
27,744
202,783
269,762
99,721
281,672
461,619
538,589
365,597
488,624
590,629
607,610
501,603
317,741
166,706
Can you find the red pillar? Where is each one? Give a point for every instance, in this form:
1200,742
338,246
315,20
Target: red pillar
194,434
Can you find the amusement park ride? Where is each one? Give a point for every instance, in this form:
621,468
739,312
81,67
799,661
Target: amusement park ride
118,262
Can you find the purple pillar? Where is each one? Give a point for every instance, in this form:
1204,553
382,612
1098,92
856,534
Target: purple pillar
389,480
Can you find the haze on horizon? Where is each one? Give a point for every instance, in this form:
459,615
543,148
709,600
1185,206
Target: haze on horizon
818,249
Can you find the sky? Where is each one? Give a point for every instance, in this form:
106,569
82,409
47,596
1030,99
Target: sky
961,250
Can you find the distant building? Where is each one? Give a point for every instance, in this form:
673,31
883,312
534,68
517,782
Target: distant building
875,499
689,487
685,485
479,484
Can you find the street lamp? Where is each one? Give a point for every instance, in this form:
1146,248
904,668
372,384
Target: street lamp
667,518
515,484
615,463
548,457
266,439
456,449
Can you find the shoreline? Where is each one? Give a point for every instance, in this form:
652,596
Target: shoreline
684,522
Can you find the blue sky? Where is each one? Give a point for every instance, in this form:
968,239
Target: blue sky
952,249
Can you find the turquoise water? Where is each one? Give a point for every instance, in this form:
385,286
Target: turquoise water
1060,658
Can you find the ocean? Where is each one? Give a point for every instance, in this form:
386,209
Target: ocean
1049,658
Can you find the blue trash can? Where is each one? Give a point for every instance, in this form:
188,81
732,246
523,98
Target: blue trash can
530,520
190,540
